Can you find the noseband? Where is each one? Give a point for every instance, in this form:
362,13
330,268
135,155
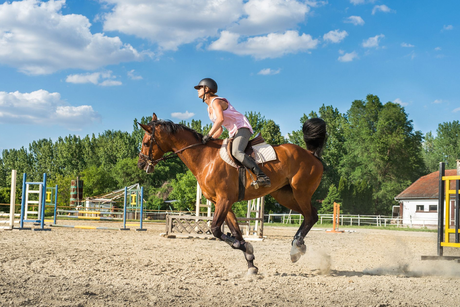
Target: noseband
149,158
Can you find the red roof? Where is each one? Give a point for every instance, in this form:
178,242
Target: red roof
426,187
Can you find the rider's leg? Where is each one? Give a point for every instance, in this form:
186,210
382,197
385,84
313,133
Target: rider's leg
240,142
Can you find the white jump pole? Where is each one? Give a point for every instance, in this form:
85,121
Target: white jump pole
12,197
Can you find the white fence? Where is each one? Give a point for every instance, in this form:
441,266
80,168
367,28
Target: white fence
345,219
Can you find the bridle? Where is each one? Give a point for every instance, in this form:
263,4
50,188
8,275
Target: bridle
149,158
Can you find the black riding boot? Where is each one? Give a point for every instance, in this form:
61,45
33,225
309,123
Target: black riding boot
262,179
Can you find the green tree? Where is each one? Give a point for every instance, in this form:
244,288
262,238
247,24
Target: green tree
333,195
272,133
382,149
69,155
184,191
42,155
445,147
97,181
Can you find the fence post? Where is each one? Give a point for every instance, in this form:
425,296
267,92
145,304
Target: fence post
12,198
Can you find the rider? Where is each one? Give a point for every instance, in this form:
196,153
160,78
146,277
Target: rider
222,113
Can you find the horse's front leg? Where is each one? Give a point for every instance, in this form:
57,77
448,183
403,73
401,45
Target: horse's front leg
236,241
223,212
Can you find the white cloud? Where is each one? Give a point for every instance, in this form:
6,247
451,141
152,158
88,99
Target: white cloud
400,102
381,8
448,27
347,57
84,78
172,23
437,48
272,45
265,16
133,76
37,38
372,42
268,71
182,116
110,83
456,110
356,2
437,101
335,36
406,45
97,78
356,20
44,108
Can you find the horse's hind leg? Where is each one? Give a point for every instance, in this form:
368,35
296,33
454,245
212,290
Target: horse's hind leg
285,196
298,244
244,246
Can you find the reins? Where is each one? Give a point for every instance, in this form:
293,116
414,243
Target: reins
173,155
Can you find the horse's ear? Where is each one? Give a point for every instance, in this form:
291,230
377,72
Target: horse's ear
146,128
154,117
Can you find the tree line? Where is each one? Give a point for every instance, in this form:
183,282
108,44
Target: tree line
372,153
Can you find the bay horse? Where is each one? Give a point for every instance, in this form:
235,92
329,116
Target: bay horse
295,176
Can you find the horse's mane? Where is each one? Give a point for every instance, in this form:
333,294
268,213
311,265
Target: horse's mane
173,128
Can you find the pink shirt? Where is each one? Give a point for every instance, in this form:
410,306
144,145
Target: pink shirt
233,120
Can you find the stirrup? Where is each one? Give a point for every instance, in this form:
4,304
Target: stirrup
263,181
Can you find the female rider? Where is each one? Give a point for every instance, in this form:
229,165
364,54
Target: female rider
222,113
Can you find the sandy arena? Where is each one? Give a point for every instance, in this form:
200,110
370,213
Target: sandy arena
361,267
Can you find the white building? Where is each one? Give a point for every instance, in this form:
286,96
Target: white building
419,202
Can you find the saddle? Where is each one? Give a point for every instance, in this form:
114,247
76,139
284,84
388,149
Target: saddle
257,149
258,139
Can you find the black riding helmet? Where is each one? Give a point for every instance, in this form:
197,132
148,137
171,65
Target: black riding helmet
208,82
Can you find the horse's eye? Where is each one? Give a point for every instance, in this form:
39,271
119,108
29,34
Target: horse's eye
146,144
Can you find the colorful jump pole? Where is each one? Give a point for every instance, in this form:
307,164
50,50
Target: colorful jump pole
125,209
55,203
21,218
142,211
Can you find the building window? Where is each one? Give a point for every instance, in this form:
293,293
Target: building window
420,208
433,208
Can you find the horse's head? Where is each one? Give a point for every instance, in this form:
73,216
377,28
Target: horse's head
151,150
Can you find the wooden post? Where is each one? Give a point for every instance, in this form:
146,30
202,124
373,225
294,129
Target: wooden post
336,219
12,198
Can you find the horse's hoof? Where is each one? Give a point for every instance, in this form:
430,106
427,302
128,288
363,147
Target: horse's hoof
253,271
295,258
297,252
303,249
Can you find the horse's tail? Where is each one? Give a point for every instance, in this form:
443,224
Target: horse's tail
314,135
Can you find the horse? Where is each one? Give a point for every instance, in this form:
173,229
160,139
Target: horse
295,176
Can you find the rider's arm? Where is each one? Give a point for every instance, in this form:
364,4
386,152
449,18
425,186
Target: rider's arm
217,134
219,114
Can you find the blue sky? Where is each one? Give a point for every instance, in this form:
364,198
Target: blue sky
86,66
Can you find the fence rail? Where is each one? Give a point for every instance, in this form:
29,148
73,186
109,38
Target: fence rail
345,219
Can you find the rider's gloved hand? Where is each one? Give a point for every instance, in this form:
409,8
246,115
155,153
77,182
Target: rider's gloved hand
206,138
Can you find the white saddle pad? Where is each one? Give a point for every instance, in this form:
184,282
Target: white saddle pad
263,153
